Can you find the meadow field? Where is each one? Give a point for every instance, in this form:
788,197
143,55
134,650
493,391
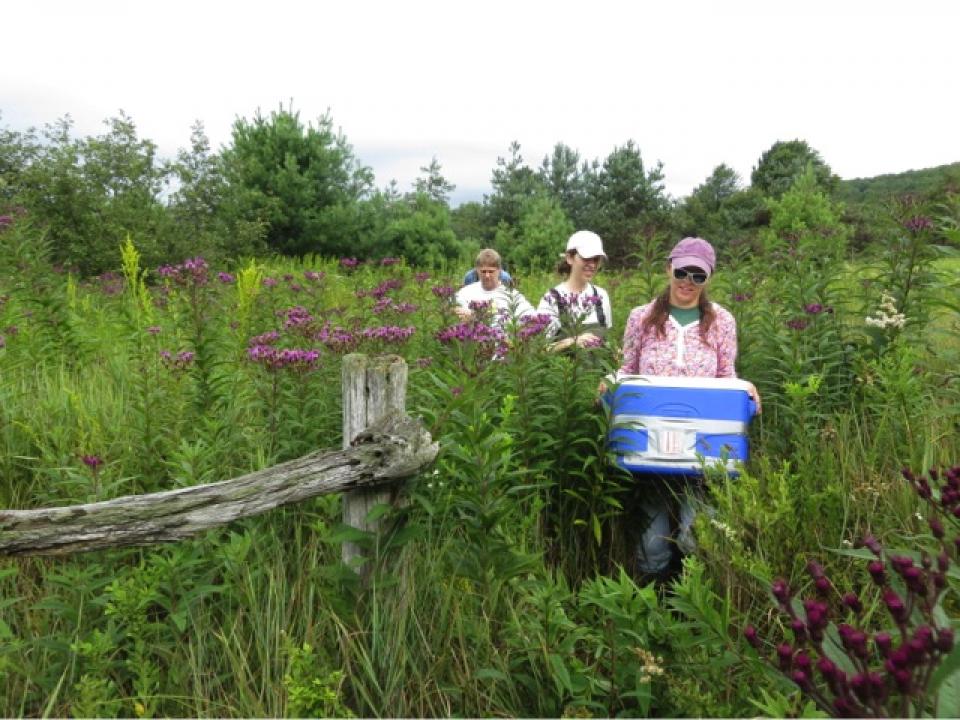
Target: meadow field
503,584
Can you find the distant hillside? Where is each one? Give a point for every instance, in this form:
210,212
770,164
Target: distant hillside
929,182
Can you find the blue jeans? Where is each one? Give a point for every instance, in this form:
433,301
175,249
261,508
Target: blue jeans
669,511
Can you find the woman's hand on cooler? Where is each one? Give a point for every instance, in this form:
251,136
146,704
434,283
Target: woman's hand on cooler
755,395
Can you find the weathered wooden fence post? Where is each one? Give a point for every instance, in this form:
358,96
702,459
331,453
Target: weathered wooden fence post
372,388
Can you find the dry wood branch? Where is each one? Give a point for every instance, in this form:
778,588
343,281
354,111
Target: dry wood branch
394,448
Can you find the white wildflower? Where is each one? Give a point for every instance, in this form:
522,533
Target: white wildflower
725,529
887,314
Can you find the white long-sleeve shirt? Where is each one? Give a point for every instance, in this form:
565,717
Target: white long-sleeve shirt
507,303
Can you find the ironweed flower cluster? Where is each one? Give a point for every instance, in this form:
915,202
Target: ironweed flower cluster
817,308
918,223
388,304
267,338
533,324
797,324
853,672
443,292
273,359
389,333
380,291
269,282
349,263
192,272
226,278
337,339
110,283
297,318
388,261
5,221
470,331
314,275
177,363
421,277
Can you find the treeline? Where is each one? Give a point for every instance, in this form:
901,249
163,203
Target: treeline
289,187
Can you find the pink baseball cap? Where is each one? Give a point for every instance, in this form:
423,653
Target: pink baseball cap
693,252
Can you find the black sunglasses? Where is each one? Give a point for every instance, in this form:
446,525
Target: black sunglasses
697,278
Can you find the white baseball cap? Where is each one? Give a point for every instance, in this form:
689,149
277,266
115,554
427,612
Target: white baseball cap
587,244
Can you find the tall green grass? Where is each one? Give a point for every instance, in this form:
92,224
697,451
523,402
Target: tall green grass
503,584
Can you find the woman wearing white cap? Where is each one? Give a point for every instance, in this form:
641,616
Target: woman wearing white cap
580,310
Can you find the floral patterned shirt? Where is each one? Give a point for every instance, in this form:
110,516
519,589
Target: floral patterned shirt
681,351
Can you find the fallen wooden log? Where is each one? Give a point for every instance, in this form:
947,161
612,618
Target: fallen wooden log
393,448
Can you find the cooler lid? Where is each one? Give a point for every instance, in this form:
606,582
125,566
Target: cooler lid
682,382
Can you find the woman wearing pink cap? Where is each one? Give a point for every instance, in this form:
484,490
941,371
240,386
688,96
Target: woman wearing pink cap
680,333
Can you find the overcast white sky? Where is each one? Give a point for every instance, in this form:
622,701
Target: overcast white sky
871,85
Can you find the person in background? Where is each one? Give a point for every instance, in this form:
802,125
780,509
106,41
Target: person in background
679,333
490,290
580,310
473,276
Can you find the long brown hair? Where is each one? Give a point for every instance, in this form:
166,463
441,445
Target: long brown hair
657,317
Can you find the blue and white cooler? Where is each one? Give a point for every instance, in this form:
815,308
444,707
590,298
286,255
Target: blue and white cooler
673,425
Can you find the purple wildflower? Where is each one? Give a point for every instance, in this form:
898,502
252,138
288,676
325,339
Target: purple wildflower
894,604
92,461
852,601
313,275
179,362
297,317
386,286
813,308
797,324
269,282
443,291
273,358
349,263
168,271
918,223
267,338
469,332
337,339
421,277
389,333
535,324
388,261
781,591
154,330
5,221
225,278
